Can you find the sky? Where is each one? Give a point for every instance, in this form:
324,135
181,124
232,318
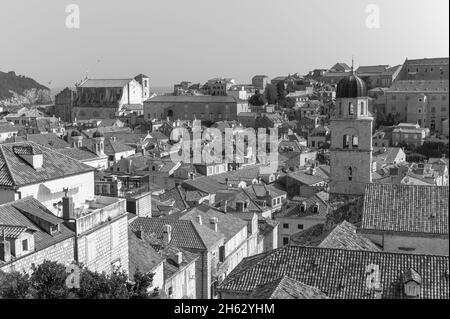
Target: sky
196,40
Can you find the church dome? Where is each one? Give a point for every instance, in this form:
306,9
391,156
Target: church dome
75,133
97,134
350,87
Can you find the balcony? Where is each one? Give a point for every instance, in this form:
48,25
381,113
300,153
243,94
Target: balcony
98,211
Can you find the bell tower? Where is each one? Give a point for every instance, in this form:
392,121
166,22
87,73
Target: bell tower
351,138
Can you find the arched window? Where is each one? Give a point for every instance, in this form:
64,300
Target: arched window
350,173
350,108
354,141
346,141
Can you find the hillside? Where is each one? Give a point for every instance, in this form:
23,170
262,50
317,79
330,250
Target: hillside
21,90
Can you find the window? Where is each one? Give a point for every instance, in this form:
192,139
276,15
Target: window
340,108
350,108
444,98
316,209
355,141
433,110
362,108
394,97
350,173
54,229
170,291
300,226
346,141
286,226
25,245
285,240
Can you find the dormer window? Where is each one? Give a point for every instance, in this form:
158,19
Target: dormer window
54,229
316,208
412,282
303,207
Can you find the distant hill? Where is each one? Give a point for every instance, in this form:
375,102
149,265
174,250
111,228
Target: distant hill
21,90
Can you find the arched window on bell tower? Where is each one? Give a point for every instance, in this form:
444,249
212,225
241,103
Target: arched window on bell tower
354,141
351,110
346,141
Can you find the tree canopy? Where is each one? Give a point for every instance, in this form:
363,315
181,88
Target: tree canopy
257,99
48,281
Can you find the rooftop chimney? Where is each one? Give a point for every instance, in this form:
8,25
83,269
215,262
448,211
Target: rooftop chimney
213,223
5,248
167,234
139,232
67,205
179,257
199,219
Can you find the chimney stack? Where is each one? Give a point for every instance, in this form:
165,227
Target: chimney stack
225,206
139,233
213,223
199,219
67,205
179,257
5,248
167,234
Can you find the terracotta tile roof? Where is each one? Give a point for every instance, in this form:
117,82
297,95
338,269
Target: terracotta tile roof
286,288
294,209
191,99
227,224
142,256
306,178
406,208
104,83
341,274
80,154
11,231
15,171
185,233
50,140
19,214
344,236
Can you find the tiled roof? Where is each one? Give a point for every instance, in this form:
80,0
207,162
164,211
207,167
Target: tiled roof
344,236
295,209
80,154
228,224
286,288
406,208
49,140
341,274
185,233
419,86
105,83
15,171
14,214
191,99
306,178
7,127
371,69
11,231
141,256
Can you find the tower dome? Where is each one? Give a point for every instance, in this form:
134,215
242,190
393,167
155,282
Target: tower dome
97,134
75,133
350,87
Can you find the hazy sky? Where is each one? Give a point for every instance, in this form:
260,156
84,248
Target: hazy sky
175,40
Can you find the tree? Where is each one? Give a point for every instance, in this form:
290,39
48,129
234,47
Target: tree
48,281
257,99
281,93
270,94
